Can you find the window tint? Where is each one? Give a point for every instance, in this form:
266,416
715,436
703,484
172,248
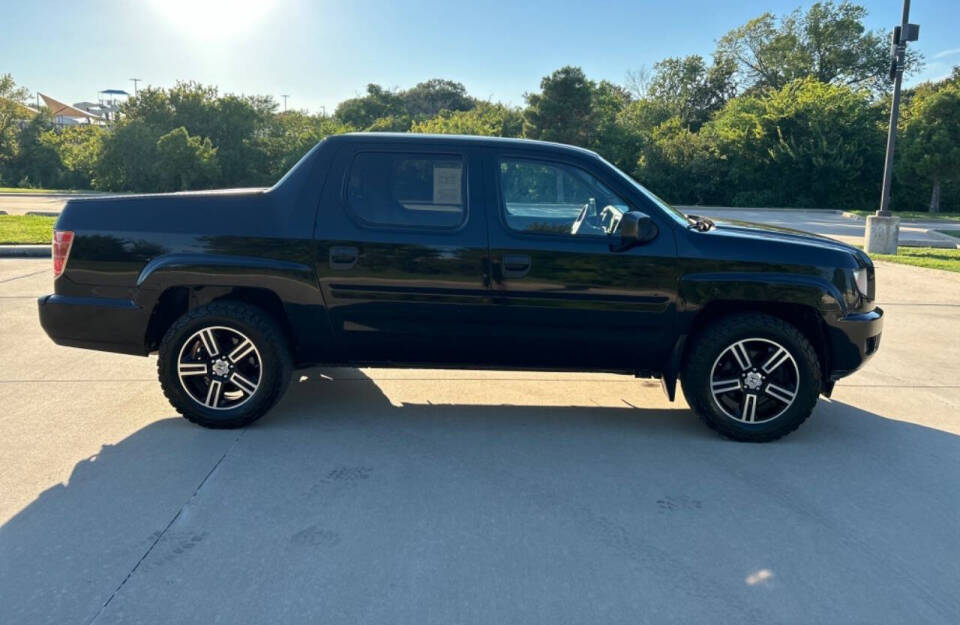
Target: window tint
392,189
552,198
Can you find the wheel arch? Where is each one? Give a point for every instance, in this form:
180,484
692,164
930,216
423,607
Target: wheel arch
802,300
804,317
172,285
175,301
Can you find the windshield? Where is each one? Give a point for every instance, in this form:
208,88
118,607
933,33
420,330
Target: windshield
670,211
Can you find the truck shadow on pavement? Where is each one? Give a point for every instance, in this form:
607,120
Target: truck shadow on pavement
342,507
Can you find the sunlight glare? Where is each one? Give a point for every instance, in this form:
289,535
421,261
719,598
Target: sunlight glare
213,19
759,577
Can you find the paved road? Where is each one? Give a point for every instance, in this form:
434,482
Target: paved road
23,203
379,496
833,224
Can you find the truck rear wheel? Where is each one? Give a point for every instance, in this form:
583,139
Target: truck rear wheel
751,377
224,365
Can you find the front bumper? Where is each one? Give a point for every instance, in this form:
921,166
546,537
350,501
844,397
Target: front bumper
854,339
106,324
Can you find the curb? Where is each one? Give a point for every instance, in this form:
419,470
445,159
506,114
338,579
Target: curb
935,243
24,251
43,213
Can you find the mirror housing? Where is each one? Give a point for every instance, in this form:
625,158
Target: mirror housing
636,228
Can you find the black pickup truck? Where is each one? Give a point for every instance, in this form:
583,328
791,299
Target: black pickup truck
466,252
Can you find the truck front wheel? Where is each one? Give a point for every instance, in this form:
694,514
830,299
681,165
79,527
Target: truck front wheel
751,377
224,365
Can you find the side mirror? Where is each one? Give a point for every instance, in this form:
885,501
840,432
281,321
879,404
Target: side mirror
635,228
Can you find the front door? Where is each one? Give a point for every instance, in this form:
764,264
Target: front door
564,296
402,254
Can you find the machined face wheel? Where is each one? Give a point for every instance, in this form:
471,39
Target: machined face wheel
219,367
754,380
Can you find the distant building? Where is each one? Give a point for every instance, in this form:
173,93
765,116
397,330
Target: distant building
66,115
96,113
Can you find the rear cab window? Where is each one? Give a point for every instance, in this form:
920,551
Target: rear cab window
407,190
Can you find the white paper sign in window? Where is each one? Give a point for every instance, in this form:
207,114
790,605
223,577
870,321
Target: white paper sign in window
446,184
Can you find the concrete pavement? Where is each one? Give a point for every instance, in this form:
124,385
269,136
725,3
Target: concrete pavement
23,203
834,224
477,497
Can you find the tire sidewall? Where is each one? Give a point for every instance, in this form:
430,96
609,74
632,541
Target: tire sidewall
697,379
272,365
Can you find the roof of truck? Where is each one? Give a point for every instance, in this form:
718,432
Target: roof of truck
410,137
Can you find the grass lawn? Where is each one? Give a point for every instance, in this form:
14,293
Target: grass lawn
28,191
26,229
914,215
929,257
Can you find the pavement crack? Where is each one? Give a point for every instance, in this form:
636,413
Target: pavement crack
167,527
35,273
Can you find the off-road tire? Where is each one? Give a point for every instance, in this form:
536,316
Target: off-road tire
270,341
711,341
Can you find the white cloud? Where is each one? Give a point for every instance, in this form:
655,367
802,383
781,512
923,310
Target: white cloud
950,52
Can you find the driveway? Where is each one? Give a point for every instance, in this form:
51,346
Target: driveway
391,496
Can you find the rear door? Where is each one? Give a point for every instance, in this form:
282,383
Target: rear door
564,295
402,248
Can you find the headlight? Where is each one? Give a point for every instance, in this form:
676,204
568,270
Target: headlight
860,279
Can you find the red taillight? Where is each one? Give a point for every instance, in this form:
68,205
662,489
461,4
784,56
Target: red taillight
62,241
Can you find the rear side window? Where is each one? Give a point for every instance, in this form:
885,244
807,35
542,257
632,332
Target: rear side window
408,190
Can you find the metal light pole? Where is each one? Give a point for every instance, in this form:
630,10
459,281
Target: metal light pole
284,96
135,81
883,228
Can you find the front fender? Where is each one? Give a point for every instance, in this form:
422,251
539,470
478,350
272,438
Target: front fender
698,290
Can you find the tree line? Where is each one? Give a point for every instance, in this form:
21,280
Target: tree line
789,111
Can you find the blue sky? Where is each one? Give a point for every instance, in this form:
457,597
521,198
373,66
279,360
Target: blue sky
321,52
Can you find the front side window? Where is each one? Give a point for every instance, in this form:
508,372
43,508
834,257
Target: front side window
554,198
408,190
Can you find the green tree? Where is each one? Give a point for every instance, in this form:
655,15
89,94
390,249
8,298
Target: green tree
930,148
829,42
36,163
239,126
680,164
691,89
562,110
391,123
78,149
434,96
363,111
126,163
809,144
607,138
184,162
12,113
234,124
291,135
486,119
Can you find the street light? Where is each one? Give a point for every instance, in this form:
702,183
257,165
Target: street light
284,96
135,81
883,228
